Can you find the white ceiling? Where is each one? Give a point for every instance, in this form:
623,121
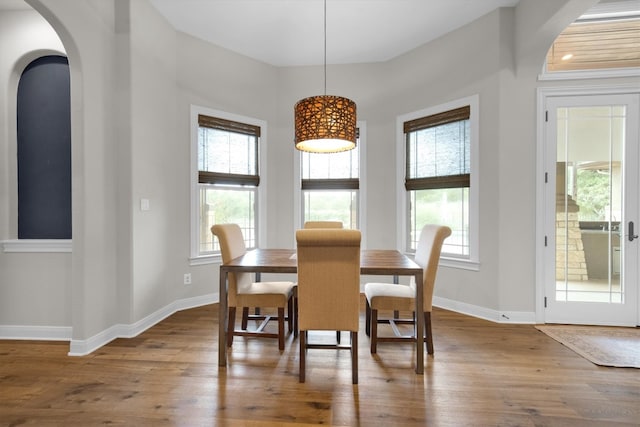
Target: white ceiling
290,32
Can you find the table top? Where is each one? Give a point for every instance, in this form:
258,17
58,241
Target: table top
372,261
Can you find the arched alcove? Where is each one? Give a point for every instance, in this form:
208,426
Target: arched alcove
44,150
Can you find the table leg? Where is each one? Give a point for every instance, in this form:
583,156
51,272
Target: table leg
396,280
222,320
419,324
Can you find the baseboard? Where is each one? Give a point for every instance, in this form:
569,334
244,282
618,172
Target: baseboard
84,347
523,317
36,333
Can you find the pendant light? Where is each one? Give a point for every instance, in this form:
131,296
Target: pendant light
325,123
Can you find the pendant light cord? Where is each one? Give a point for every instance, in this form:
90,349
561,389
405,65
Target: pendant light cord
325,47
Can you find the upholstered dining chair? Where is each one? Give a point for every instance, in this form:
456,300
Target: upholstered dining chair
320,224
328,289
323,224
397,297
243,292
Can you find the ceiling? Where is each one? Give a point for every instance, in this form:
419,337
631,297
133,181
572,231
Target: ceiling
290,32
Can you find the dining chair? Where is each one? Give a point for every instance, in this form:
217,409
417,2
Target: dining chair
328,289
323,224
398,297
245,293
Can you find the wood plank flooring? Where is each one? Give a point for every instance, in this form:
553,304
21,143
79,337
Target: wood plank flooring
482,374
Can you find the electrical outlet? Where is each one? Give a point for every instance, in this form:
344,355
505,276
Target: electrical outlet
187,278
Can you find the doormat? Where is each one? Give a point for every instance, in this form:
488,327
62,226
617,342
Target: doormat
603,345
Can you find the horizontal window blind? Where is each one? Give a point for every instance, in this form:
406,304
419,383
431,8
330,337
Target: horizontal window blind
228,152
331,184
462,113
437,148
227,178
228,125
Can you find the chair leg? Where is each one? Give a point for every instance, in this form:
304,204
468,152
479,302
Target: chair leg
367,319
291,315
338,337
374,331
303,354
427,330
295,319
231,325
245,318
281,328
354,357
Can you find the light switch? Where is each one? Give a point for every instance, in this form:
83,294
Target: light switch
145,205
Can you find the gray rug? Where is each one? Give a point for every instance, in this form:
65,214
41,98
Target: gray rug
602,345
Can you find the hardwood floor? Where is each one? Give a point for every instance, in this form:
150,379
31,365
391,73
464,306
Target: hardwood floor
482,374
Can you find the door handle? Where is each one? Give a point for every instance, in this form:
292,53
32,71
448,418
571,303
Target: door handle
631,234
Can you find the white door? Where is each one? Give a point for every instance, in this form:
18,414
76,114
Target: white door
591,209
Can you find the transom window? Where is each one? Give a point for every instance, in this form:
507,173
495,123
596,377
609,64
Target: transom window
603,42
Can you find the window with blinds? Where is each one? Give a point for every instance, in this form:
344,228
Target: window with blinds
228,179
330,184
438,177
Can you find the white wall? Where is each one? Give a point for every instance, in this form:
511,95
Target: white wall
34,287
133,82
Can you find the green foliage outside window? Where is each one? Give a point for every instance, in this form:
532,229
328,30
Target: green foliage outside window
592,194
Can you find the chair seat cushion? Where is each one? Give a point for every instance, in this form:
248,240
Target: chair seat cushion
389,296
265,294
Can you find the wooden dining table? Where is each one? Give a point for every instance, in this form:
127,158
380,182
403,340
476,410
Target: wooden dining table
283,261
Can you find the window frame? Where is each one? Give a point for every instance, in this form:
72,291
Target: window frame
472,262
197,258
361,195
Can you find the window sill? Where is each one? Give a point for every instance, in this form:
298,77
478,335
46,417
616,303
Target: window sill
205,259
463,264
37,245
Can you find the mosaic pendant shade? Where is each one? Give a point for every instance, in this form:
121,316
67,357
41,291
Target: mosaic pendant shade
325,124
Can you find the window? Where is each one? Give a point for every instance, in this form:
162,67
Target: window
603,42
228,177
439,152
330,186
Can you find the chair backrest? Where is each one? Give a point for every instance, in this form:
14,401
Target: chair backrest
232,246
328,279
427,256
323,224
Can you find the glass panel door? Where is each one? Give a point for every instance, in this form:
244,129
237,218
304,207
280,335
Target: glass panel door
596,161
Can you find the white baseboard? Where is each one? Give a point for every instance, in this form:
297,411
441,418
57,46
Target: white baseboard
36,333
84,347
522,317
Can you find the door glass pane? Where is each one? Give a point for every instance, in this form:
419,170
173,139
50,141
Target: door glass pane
589,203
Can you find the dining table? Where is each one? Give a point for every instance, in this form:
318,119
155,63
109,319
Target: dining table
386,262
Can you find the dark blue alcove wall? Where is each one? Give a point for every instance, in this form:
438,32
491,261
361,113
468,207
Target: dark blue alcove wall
44,150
